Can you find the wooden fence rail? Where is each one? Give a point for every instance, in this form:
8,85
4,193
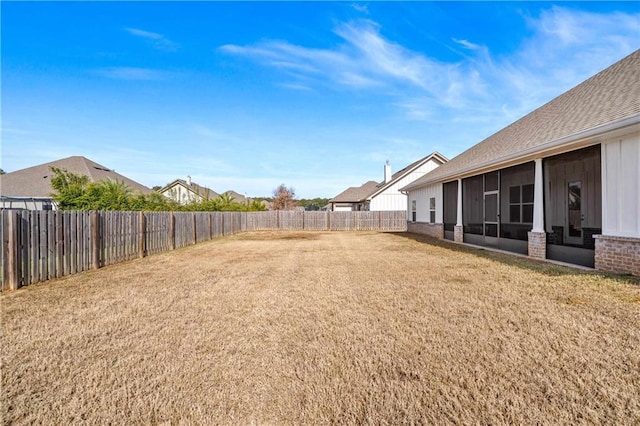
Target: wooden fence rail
42,245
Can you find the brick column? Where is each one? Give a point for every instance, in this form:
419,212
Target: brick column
620,255
537,244
458,234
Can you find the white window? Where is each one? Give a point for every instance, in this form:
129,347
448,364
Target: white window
413,210
432,210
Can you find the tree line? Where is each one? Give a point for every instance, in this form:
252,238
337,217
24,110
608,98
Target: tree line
78,192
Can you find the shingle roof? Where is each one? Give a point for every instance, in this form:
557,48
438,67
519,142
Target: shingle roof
36,181
611,95
356,194
238,198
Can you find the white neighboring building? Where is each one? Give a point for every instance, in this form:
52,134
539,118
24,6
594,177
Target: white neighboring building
388,196
184,191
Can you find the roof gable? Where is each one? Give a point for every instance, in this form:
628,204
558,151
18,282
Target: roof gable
194,188
400,174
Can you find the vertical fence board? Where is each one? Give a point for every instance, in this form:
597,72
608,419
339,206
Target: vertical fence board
41,245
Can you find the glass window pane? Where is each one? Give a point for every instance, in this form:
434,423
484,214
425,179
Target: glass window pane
575,209
527,193
527,213
514,194
432,216
514,213
491,208
432,203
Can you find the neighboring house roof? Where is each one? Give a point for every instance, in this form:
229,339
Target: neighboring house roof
238,198
355,194
611,97
202,191
435,156
36,181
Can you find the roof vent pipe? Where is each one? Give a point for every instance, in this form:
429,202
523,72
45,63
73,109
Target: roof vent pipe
188,180
387,172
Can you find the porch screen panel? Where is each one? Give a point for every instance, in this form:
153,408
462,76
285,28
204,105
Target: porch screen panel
450,212
516,201
473,205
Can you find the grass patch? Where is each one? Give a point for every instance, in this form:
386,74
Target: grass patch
324,328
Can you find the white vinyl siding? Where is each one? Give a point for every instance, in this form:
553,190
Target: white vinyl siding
391,198
621,186
421,196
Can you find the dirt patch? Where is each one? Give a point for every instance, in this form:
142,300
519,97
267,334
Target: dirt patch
323,328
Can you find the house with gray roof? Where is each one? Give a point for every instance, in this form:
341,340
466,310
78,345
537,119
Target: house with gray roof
386,195
185,191
31,188
561,183
353,198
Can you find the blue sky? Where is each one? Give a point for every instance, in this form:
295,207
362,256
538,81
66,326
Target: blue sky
246,96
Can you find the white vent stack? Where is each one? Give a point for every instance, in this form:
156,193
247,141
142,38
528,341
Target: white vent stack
188,180
387,172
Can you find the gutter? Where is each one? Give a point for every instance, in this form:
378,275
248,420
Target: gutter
571,141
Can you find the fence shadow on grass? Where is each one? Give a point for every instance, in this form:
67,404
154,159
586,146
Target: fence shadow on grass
519,261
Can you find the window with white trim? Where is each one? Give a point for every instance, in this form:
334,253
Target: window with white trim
521,204
413,210
432,210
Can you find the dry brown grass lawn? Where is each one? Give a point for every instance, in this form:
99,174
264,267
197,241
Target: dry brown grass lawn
319,328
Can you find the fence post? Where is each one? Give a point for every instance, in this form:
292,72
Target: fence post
95,240
278,219
12,255
379,220
195,234
142,235
172,231
328,220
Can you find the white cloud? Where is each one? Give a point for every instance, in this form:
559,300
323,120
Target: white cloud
132,73
566,47
360,7
158,41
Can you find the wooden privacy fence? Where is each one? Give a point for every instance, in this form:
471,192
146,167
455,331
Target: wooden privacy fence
42,245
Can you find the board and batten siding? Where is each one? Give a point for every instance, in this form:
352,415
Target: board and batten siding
391,199
421,196
621,186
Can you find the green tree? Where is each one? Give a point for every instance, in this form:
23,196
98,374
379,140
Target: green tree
76,192
69,189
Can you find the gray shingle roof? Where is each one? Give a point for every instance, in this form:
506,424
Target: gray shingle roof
609,96
356,194
36,181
